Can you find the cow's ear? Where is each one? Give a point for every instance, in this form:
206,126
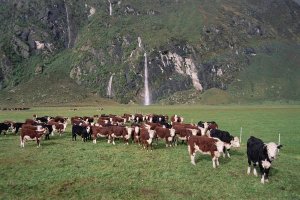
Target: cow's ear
279,146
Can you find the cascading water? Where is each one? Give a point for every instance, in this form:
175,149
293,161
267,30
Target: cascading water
68,24
147,94
110,8
140,42
109,87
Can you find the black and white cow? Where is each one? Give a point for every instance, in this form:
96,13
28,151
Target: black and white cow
225,137
83,131
5,127
261,154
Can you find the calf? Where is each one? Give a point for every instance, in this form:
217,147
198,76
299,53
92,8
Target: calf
205,145
31,133
225,137
83,131
262,154
164,133
5,127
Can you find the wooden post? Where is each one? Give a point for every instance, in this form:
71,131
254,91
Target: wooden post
241,131
278,140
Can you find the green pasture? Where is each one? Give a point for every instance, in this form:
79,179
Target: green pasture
65,169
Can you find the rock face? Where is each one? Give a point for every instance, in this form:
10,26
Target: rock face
203,45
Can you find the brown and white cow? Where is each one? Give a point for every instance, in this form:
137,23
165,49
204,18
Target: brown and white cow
121,132
31,133
176,118
205,145
183,134
136,133
164,133
103,132
147,137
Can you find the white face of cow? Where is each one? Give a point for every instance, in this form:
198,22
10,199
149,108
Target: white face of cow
272,149
235,142
151,119
129,131
205,125
194,131
88,128
172,132
136,129
151,133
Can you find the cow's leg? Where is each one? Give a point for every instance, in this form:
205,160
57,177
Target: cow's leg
224,152
214,162
193,159
94,141
267,175
263,173
228,155
249,167
21,142
217,161
113,140
254,169
38,142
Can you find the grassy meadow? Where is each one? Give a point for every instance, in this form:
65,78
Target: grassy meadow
65,169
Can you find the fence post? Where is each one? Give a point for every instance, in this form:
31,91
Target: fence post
241,131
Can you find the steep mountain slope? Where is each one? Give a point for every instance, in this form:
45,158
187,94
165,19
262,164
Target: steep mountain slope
239,46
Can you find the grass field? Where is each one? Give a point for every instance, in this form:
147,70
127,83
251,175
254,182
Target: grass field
65,169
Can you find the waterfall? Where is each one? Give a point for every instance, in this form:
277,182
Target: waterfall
147,95
140,42
68,24
110,8
109,93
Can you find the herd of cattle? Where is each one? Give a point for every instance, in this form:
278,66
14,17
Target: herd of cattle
204,137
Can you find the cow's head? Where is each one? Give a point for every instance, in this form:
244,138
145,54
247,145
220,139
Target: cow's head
272,150
151,133
129,130
172,132
88,129
235,142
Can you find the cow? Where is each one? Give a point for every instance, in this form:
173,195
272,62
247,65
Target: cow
152,126
146,138
44,119
205,145
136,133
183,134
5,127
31,121
16,127
262,154
225,137
97,131
83,131
120,132
176,118
31,133
164,133
138,118
49,131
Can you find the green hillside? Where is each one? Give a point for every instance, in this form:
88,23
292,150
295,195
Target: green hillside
247,49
